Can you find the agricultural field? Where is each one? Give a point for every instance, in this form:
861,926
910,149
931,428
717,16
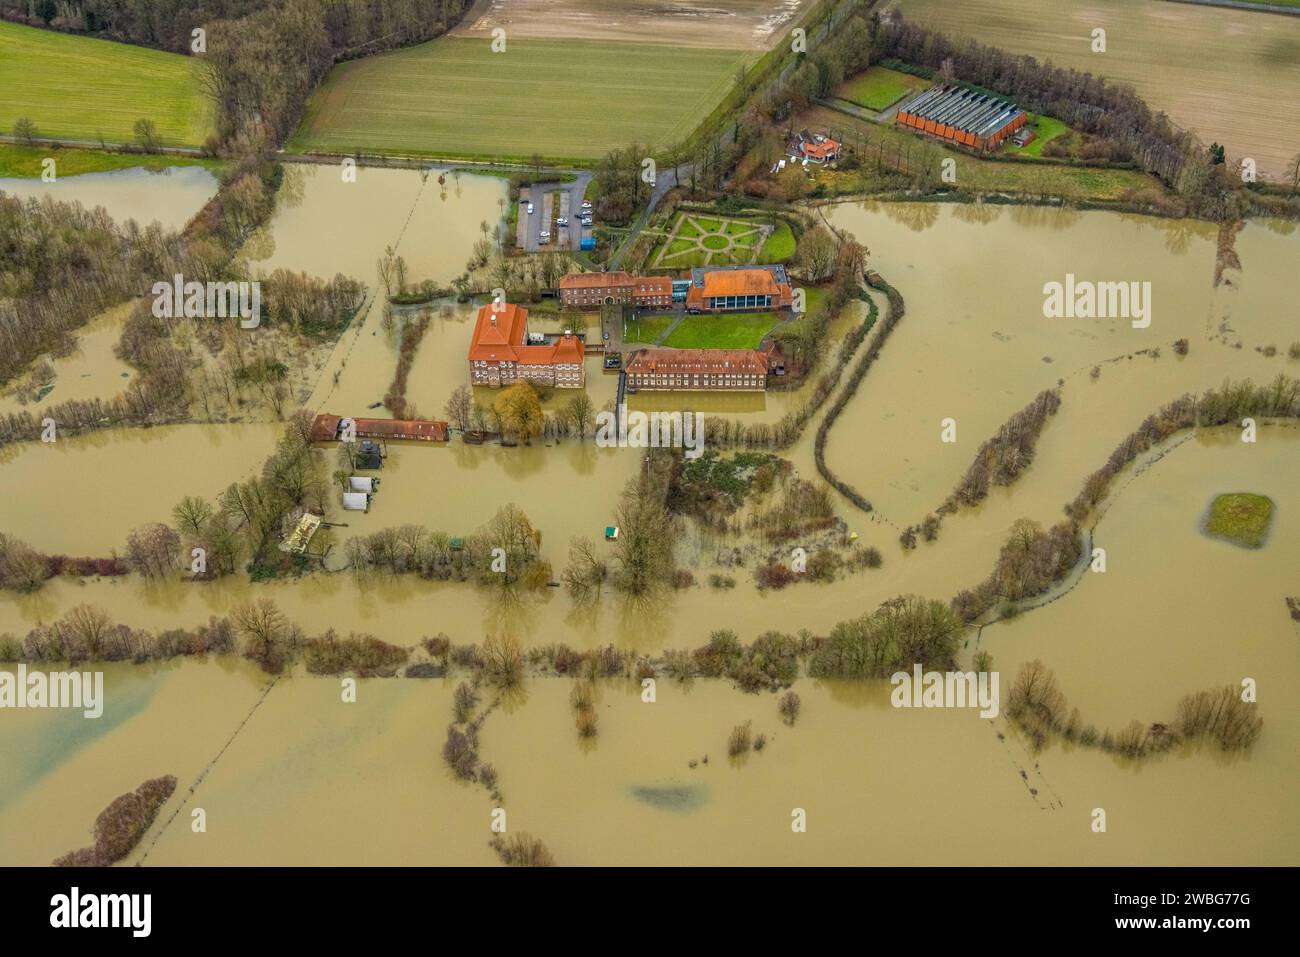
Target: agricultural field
1229,75
735,330
565,100
878,88
721,24
700,240
75,88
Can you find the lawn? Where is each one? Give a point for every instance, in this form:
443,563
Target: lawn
76,88
779,246
24,162
563,99
647,329
878,87
1048,129
737,330
1241,518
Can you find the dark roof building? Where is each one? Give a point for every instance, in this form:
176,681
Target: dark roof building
963,116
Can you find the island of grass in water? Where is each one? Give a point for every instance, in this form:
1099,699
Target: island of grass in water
1242,518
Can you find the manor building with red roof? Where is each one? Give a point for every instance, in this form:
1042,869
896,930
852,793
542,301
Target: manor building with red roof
501,352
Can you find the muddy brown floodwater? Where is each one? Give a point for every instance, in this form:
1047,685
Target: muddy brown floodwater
310,779
169,196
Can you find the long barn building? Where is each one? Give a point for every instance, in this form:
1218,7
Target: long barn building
962,116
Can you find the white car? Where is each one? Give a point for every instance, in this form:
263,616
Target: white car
561,222
530,209
586,204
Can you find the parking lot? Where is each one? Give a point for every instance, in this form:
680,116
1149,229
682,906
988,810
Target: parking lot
551,201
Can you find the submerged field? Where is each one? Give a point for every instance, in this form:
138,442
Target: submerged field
77,88
1241,96
455,97
308,779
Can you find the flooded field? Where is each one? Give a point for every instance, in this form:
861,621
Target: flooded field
1159,48
741,24
432,226
310,779
169,196
91,371
81,495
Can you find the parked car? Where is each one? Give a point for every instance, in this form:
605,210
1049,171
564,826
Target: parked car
545,237
586,204
530,209
561,222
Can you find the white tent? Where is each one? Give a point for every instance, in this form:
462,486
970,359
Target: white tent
356,501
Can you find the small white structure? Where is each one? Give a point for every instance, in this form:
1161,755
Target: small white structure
356,501
363,483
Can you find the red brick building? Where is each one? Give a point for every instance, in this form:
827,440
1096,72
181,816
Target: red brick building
588,290
739,288
500,352
703,370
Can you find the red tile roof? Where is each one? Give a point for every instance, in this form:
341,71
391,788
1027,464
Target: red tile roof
498,331
698,362
499,336
595,280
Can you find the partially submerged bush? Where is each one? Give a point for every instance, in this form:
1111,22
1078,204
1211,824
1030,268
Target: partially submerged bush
789,707
522,850
740,740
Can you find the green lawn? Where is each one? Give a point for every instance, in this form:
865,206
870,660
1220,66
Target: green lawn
878,88
738,330
1048,129
76,88
563,99
647,329
779,246
1242,518
25,161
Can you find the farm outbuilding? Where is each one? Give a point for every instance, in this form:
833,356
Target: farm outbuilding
963,116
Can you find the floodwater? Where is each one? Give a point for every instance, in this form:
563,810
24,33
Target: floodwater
325,226
1160,49
83,494
91,371
170,196
310,779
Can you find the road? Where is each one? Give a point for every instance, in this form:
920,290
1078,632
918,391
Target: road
668,180
531,225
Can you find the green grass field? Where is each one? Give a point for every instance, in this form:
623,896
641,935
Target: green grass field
76,88
779,246
1242,518
736,330
878,87
1048,129
24,162
563,99
647,329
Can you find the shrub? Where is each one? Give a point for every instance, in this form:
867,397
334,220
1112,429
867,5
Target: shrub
789,707
522,850
740,740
